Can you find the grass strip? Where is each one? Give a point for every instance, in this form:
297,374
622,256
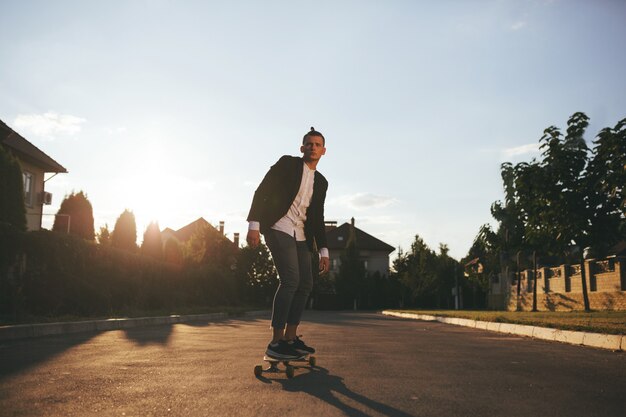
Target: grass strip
609,322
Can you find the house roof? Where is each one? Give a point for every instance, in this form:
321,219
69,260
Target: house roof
184,233
27,151
337,238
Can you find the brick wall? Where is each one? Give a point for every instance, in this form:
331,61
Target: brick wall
560,288
571,301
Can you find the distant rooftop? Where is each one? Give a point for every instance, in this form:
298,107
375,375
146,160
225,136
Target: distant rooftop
337,237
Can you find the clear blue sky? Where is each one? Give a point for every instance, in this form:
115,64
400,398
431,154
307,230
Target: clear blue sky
176,109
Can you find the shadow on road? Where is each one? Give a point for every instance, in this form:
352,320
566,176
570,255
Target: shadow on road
319,383
149,335
20,355
23,354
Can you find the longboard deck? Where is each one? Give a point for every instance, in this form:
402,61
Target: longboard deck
307,361
278,360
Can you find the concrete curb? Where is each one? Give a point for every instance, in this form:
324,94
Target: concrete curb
595,340
25,331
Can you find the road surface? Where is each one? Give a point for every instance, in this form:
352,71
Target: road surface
368,365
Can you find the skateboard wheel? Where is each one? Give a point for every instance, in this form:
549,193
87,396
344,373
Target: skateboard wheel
312,360
289,371
258,370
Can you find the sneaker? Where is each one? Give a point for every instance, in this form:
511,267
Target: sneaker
282,350
301,347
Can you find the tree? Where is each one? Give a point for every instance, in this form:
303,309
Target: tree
606,187
486,249
75,216
447,270
417,273
12,208
104,236
124,234
564,161
567,199
152,244
172,252
257,273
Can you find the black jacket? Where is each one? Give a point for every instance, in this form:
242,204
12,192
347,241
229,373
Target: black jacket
277,192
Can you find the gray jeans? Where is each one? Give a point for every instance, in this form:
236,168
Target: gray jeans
293,263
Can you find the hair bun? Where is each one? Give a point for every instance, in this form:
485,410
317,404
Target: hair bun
312,129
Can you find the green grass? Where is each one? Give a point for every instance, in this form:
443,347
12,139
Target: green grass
611,322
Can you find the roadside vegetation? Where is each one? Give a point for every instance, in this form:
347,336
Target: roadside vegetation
611,322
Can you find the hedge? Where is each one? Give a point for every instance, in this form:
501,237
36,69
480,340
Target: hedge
47,273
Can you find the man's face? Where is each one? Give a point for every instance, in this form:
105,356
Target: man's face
313,148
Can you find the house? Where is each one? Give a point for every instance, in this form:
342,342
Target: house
35,164
183,234
373,252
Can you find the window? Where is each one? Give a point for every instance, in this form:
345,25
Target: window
28,188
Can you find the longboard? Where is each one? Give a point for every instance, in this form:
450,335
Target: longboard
309,361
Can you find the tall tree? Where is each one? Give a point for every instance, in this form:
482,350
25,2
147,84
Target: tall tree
416,271
485,249
564,162
12,208
152,244
606,187
124,234
104,235
75,216
350,281
448,270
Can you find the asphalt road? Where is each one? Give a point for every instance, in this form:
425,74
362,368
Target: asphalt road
368,365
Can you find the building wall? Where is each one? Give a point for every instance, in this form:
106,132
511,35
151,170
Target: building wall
34,207
376,261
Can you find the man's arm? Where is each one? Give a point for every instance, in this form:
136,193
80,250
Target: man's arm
324,261
268,184
320,234
254,234
271,178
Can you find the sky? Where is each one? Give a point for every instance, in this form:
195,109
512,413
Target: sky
177,109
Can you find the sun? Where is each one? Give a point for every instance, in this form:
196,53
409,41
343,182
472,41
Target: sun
153,193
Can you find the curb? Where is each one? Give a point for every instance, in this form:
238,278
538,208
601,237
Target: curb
25,331
596,340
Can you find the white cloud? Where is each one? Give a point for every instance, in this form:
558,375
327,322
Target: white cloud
360,201
49,124
521,150
518,25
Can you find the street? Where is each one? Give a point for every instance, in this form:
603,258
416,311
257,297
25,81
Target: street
368,365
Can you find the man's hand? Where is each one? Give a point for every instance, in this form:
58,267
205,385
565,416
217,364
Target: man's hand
253,238
324,265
